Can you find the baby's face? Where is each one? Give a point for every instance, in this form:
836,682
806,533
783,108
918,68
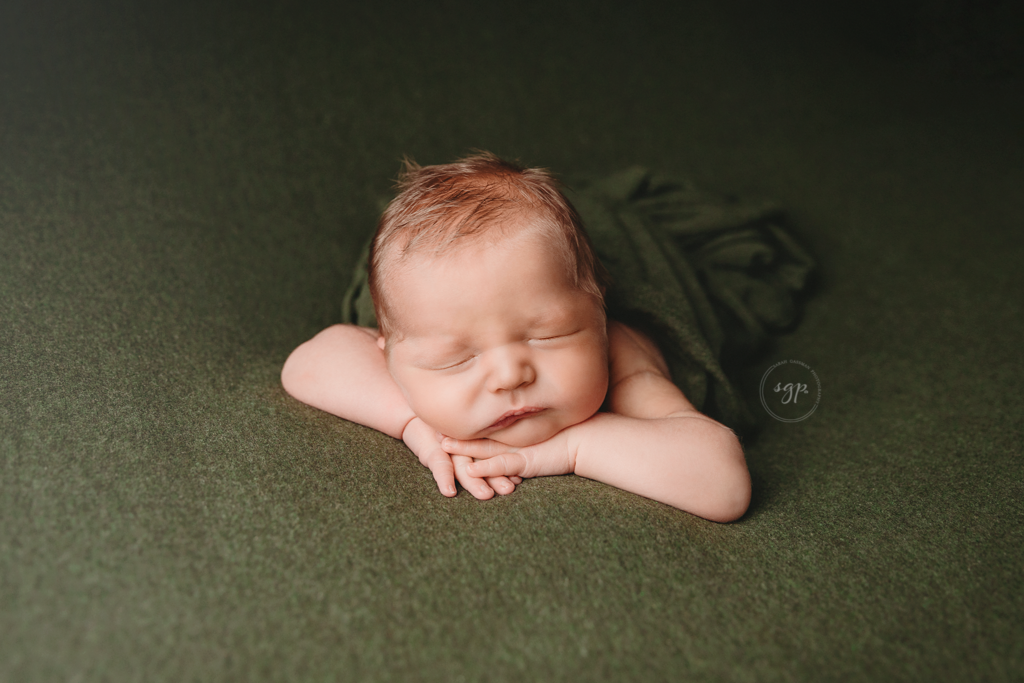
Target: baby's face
494,341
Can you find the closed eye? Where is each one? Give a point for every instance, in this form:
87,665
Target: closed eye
452,366
554,337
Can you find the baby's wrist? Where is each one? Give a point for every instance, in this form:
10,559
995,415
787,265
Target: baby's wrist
572,447
584,442
410,425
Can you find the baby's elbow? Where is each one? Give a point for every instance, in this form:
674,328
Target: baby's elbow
732,488
734,498
294,376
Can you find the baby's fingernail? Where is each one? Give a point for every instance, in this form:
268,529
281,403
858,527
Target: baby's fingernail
447,441
450,490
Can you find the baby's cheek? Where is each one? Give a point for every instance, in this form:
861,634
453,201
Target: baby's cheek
447,409
588,366
591,398
592,387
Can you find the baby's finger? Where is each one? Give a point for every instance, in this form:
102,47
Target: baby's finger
476,485
440,465
517,480
480,449
507,464
501,485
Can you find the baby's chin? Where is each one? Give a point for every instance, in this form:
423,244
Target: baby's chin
530,431
523,441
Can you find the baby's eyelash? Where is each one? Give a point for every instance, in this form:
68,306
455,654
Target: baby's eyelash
455,365
556,336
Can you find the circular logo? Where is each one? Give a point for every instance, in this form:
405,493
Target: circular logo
790,391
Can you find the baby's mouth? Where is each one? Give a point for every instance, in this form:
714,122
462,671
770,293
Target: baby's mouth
513,416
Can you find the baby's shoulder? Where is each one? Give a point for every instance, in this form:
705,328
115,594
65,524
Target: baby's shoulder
630,352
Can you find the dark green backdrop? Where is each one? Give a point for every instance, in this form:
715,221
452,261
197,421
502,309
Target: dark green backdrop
183,190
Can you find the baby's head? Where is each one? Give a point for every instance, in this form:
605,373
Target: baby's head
489,302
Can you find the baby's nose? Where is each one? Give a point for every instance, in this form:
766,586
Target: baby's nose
511,369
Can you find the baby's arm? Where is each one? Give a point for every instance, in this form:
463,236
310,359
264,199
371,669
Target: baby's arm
343,371
653,442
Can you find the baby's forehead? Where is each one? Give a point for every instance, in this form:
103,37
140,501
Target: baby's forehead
467,250
480,280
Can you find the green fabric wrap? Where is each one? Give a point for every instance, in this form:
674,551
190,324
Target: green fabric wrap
709,278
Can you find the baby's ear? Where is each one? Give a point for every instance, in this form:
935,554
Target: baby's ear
380,342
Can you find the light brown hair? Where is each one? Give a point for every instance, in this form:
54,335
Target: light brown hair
438,205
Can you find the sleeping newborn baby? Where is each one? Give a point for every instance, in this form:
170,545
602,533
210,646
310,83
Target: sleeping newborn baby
494,360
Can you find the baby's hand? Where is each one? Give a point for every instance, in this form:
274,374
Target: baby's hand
482,487
422,440
425,443
495,459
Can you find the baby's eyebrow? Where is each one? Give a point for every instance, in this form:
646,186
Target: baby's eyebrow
551,318
430,350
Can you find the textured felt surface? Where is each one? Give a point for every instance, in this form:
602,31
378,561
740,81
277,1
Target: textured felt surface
183,191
